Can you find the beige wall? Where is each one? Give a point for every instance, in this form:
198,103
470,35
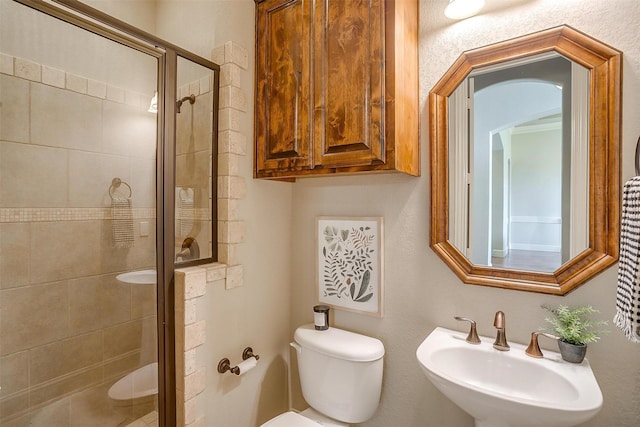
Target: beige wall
421,292
257,313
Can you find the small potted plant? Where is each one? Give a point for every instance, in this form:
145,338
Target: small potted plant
574,329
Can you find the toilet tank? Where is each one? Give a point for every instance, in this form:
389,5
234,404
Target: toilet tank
340,372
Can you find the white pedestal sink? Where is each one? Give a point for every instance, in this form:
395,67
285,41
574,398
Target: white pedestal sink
509,388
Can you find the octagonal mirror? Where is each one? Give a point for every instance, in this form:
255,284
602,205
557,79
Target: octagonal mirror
525,153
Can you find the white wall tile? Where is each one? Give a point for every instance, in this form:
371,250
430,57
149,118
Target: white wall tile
26,69
234,277
232,142
97,89
195,283
231,187
115,94
6,64
216,272
194,384
236,54
62,118
195,335
190,361
76,83
190,312
15,120
230,75
231,232
53,77
229,119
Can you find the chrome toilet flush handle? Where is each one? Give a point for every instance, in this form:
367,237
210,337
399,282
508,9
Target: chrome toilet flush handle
472,338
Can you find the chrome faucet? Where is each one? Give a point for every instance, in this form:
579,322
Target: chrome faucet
501,336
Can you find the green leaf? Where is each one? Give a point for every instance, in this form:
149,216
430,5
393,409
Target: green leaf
573,324
365,298
364,285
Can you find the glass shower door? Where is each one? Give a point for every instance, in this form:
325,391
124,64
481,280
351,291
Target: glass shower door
78,310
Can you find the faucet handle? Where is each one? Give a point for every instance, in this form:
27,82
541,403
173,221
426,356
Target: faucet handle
498,321
534,349
472,338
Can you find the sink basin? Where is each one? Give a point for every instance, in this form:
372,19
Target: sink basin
139,277
509,388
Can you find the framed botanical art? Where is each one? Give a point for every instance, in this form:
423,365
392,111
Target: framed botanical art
349,267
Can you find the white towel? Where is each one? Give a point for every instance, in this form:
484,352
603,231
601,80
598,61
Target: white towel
122,222
627,315
187,213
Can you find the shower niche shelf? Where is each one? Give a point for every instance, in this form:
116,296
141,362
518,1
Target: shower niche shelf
139,277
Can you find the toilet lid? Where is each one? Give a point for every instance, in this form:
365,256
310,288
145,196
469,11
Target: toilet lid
290,419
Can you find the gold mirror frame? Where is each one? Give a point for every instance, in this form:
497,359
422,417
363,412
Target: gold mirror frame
604,64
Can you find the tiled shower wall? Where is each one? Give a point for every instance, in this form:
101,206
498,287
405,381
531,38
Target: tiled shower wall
194,133
66,323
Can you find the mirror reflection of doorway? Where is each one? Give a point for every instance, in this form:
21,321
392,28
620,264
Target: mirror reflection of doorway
522,170
526,196
530,137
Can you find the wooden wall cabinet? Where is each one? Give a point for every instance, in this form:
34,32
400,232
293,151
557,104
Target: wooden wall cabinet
336,87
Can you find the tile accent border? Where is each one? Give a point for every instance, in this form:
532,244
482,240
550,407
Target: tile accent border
33,71
191,283
73,214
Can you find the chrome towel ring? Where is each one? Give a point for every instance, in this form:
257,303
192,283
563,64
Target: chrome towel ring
116,183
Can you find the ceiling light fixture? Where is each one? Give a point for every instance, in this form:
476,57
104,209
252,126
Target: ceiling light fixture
461,9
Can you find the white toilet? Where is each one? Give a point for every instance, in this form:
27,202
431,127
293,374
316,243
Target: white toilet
340,375
136,394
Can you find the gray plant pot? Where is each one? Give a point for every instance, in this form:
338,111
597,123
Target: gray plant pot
571,352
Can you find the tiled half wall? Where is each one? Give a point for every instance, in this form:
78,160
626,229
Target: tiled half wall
192,282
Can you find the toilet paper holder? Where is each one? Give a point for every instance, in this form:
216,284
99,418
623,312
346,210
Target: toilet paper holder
224,365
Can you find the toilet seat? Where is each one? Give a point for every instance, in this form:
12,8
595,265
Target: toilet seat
290,419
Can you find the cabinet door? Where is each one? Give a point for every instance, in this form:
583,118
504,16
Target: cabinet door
282,87
349,83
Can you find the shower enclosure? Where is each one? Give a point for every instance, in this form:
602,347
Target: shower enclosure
98,195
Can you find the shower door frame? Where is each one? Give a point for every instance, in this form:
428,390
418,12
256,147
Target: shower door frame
97,22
